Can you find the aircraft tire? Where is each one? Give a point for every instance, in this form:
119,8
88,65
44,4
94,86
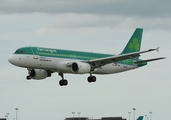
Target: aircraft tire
60,83
28,77
91,79
63,82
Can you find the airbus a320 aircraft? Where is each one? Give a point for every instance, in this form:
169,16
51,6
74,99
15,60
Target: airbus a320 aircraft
42,62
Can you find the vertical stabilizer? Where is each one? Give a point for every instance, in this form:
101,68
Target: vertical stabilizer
134,44
140,118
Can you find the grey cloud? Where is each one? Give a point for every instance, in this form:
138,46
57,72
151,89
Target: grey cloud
108,7
76,23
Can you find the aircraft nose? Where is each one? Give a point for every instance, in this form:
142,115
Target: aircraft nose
11,59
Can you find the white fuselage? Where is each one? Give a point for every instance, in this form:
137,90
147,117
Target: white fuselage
50,63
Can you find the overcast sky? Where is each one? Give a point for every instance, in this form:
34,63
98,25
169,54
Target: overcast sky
91,25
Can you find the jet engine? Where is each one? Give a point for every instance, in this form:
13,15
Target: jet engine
73,67
37,74
80,67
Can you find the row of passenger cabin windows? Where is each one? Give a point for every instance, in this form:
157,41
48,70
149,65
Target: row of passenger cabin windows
20,52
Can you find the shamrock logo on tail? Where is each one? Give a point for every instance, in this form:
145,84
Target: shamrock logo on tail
134,45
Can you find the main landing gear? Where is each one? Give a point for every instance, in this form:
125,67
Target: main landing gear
91,79
62,82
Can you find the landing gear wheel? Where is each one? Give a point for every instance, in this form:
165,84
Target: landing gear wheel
28,77
63,82
91,79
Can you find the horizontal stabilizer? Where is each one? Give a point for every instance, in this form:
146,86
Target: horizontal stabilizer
149,60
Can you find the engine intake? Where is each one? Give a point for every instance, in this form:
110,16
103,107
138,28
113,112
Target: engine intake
75,67
80,67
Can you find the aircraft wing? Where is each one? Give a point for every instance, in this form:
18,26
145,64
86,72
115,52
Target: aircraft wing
114,59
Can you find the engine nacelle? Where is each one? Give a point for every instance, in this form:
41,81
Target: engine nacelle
38,74
73,67
80,67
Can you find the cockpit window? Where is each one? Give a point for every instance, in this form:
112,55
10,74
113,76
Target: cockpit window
20,52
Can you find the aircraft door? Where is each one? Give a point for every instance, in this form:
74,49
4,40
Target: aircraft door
35,53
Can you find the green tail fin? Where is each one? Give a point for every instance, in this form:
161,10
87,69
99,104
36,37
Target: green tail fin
134,44
140,118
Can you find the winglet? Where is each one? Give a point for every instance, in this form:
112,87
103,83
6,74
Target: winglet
157,49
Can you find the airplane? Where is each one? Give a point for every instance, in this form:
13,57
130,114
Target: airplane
43,62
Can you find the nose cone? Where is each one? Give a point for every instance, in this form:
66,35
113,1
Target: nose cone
11,59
